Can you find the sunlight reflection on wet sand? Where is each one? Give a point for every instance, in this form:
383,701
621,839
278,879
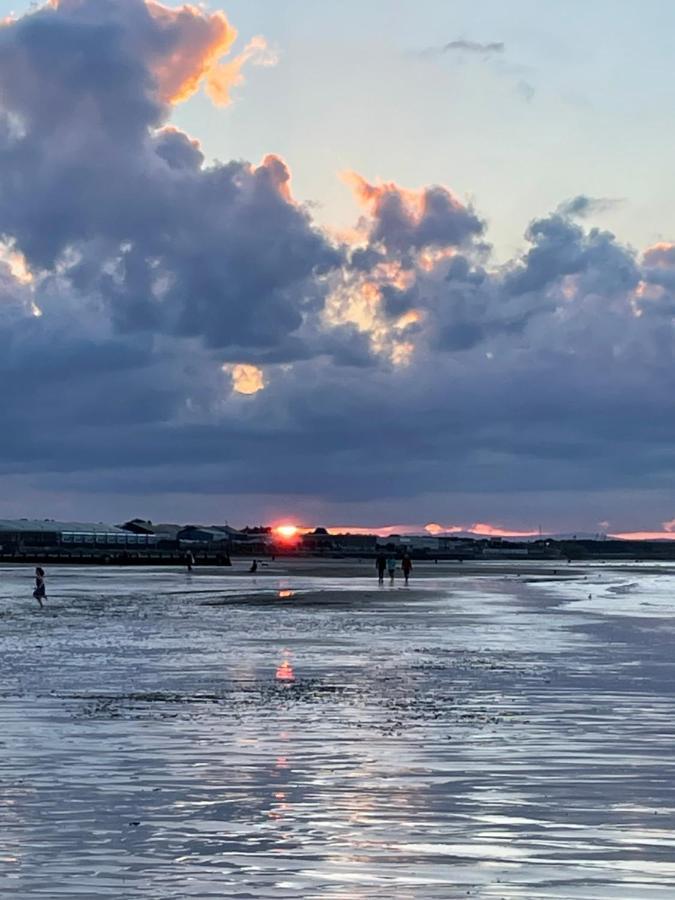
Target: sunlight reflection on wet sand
483,738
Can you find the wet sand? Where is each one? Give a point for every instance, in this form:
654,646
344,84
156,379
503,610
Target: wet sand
309,567
495,735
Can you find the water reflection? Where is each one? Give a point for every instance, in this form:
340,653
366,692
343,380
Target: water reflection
285,672
486,745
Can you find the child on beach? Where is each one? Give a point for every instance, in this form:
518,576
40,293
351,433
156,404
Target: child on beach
391,568
40,591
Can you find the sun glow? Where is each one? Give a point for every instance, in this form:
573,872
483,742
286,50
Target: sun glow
287,532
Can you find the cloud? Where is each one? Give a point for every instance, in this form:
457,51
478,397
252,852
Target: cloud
201,335
411,220
123,209
222,77
489,54
246,379
464,46
583,206
182,49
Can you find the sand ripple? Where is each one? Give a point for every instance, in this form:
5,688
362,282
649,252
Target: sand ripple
467,740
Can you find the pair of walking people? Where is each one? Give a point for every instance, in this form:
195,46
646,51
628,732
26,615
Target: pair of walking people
388,564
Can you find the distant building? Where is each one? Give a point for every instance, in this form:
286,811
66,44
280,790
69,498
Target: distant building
505,552
172,536
456,545
420,542
167,531
138,526
413,543
203,536
320,541
30,535
166,534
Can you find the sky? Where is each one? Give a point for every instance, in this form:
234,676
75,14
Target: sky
362,264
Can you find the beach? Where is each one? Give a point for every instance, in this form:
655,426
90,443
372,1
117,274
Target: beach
496,730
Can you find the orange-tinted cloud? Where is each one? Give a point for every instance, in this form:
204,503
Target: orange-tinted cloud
222,77
372,196
183,47
246,378
497,531
661,254
405,221
195,42
433,528
277,173
412,317
480,528
382,531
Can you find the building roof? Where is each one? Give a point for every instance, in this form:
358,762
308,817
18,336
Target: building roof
52,526
167,529
206,529
142,525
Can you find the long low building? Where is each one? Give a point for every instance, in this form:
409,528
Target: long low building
18,535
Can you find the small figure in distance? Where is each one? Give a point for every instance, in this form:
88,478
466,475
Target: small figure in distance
380,565
254,567
40,593
391,568
406,565
189,560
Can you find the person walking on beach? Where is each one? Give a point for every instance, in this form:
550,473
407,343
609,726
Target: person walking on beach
391,568
40,592
406,565
189,560
380,565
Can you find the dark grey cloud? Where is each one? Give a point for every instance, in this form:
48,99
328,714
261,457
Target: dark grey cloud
129,213
562,248
583,206
403,222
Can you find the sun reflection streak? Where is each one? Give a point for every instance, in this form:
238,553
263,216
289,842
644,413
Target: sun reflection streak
285,672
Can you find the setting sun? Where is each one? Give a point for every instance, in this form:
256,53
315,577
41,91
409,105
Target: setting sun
287,531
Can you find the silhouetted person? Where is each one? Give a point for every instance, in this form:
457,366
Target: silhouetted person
380,565
189,560
406,565
254,567
391,568
40,592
